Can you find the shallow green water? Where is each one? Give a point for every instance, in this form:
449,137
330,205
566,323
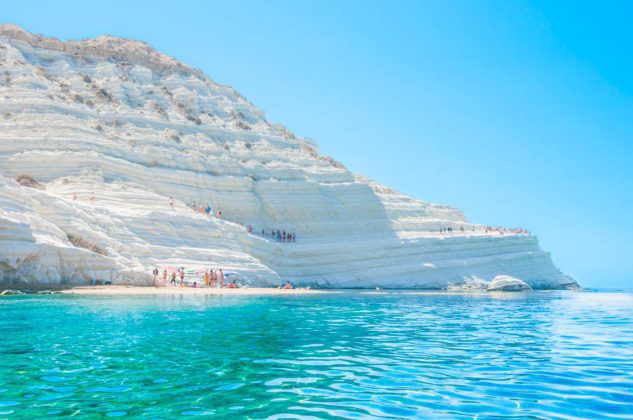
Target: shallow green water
538,355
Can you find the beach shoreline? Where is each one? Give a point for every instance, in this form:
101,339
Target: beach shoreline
174,290
130,290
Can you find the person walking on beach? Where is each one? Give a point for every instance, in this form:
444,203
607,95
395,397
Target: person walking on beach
171,201
182,277
92,198
164,278
173,278
155,273
206,278
74,196
221,275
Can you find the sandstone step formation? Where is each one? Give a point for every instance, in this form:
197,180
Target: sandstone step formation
96,135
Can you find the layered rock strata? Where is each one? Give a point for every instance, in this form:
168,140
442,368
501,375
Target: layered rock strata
96,135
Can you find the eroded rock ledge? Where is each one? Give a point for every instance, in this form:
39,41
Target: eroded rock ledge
96,135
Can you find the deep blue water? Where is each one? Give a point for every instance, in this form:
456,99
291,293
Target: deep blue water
553,355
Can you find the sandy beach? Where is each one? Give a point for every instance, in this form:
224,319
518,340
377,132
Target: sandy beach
144,290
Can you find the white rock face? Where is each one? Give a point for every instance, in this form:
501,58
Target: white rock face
502,283
115,118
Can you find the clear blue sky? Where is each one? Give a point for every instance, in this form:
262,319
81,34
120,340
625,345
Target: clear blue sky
518,112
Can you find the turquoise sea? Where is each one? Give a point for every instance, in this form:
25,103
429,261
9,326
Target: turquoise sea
550,355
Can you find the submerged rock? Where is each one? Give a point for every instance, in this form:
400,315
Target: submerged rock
503,283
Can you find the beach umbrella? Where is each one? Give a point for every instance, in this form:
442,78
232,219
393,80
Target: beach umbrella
190,271
202,270
170,269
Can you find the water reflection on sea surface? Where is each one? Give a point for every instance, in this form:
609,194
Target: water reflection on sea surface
350,355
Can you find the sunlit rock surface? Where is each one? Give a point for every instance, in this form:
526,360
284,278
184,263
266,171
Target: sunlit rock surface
122,128
502,283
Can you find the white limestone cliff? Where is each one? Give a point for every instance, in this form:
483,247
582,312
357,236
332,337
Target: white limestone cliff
117,119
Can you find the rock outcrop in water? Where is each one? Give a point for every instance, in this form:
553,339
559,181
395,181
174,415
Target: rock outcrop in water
503,283
96,135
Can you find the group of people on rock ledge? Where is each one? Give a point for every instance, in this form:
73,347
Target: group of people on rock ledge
450,229
279,235
502,230
199,208
490,229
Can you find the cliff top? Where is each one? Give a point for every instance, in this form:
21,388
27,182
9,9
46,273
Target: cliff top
105,46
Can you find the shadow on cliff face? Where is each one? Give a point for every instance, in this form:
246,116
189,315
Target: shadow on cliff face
325,212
